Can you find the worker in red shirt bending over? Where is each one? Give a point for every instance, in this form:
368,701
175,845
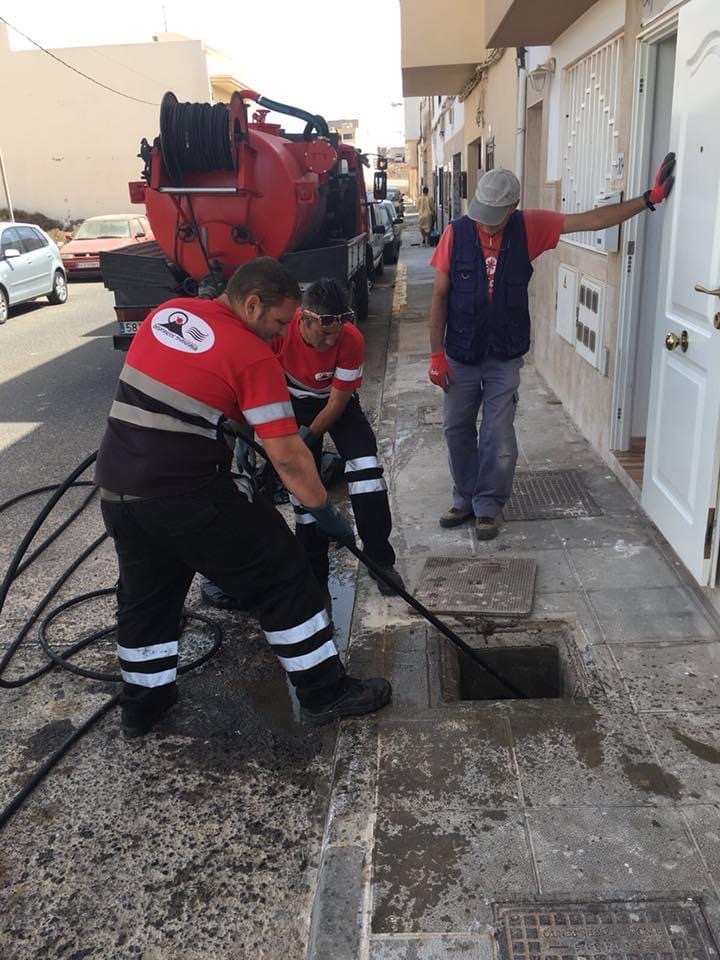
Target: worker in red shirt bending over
322,356
172,507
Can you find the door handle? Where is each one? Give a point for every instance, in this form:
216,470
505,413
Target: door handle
711,293
673,341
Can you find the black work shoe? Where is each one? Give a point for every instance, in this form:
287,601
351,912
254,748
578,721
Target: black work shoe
393,576
138,716
486,528
213,595
454,517
358,697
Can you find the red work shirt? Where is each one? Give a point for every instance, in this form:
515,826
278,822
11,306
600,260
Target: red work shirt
192,365
310,372
543,229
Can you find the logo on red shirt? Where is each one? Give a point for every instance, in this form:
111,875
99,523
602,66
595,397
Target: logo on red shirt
182,331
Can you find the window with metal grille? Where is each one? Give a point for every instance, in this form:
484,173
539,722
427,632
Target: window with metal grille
592,89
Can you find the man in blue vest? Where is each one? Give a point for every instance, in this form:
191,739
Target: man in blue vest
480,329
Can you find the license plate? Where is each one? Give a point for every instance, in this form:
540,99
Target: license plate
88,265
129,326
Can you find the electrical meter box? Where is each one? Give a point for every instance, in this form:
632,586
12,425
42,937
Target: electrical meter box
608,240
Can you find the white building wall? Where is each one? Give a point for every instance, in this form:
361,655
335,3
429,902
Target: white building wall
70,146
597,25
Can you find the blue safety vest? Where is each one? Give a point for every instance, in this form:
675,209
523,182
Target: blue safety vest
474,325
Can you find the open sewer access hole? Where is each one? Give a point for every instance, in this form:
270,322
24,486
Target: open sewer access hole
540,659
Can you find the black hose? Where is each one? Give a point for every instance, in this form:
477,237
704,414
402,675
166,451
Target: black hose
486,626
314,120
194,137
16,567
40,774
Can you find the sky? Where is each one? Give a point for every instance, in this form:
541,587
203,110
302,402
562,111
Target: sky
325,56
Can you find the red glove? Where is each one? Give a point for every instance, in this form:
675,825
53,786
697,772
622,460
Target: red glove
663,182
439,371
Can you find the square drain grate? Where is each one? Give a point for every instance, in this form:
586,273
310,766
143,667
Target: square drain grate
550,495
621,931
458,585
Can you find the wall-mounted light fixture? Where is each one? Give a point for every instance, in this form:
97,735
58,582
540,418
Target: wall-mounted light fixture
538,76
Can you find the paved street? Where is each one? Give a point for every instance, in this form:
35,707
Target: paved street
204,841
57,378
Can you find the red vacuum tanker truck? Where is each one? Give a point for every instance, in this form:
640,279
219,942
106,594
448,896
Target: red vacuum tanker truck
220,190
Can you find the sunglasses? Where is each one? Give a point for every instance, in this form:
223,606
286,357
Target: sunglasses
328,319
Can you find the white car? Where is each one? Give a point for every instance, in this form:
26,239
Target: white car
30,267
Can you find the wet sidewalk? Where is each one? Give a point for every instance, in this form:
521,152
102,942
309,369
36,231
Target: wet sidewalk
467,829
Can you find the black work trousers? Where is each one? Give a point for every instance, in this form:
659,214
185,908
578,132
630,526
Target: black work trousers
249,551
355,441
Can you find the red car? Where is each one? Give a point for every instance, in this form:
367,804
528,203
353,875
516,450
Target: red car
81,255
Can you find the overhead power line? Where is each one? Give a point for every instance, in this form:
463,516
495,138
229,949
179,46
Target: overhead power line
99,83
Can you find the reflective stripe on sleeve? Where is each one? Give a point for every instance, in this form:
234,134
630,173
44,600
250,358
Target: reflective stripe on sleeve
308,660
301,632
257,416
366,486
149,679
154,652
342,373
361,463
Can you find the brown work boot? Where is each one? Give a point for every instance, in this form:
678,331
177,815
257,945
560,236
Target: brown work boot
454,517
486,528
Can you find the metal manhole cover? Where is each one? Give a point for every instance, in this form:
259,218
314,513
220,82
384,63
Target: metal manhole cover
606,931
498,587
430,416
550,495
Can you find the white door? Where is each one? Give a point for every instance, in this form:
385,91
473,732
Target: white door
680,486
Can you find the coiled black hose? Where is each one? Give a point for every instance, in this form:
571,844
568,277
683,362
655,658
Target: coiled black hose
17,565
194,137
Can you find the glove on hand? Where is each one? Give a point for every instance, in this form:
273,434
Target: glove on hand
307,436
439,371
664,181
332,523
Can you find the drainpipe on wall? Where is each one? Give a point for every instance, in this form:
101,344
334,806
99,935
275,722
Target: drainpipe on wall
521,112
6,188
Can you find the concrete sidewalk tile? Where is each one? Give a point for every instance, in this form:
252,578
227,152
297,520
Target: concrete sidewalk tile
583,755
648,614
528,535
704,823
432,948
336,921
352,802
434,872
554,573
671,676
621,567
447,764
622,533
612,498
574,609
688,747
614,851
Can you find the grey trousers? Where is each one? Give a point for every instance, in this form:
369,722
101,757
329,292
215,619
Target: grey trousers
482,462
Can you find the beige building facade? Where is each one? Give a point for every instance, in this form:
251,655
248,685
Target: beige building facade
626,321
468,98
70,145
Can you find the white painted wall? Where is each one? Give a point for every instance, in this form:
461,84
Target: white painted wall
70,147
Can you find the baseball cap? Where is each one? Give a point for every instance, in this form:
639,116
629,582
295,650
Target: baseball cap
497,192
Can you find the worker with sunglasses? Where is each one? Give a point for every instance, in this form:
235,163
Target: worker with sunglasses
322,356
